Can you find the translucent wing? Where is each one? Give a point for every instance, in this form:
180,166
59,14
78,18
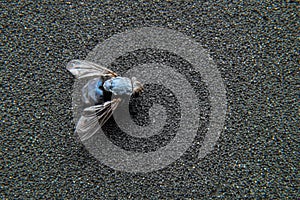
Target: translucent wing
82,69
94,117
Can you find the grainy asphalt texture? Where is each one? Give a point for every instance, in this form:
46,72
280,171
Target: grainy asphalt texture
255,47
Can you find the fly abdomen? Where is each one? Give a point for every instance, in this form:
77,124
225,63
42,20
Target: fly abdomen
91,92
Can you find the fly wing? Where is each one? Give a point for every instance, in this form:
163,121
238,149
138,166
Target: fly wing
94,117
83,69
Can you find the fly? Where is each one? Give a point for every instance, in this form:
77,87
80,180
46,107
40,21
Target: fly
104,82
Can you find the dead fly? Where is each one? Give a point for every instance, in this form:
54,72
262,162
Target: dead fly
93,93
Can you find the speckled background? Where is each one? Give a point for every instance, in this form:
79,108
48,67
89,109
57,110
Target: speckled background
255,47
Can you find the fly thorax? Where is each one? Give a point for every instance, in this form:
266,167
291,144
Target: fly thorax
119,86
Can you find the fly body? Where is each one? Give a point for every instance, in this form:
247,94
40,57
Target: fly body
103,82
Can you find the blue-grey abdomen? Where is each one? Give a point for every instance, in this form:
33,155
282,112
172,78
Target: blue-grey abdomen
91,92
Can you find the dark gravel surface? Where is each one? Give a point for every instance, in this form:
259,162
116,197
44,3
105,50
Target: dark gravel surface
255,47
